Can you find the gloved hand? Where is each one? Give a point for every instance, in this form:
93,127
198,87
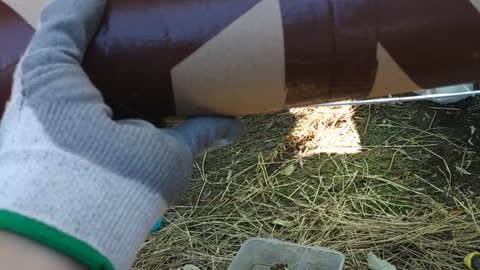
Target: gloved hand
72,178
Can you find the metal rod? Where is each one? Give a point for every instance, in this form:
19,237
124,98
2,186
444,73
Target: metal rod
399,99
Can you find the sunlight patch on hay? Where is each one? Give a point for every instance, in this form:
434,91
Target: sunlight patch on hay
324,130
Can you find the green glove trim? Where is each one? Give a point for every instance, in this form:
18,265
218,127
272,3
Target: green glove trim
54,239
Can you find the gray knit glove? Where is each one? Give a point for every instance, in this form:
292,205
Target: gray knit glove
71,177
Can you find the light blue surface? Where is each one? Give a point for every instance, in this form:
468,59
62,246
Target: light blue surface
157,225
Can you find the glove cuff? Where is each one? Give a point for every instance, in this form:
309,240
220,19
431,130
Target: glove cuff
85,209
54,239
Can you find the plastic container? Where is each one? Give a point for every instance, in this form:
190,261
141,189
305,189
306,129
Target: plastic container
265,254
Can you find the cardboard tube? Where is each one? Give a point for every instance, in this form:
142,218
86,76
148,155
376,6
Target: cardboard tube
152,59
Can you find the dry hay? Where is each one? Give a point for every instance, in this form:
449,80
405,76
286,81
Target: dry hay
398,198
324,130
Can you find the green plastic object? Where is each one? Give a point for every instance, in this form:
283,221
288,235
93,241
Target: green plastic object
268,254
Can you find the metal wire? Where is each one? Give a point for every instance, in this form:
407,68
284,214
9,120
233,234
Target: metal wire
399,99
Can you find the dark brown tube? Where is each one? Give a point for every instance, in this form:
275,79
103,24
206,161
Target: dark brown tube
187,57
139,43
436,42
15,34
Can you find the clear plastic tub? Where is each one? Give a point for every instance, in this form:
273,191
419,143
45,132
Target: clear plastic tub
267,254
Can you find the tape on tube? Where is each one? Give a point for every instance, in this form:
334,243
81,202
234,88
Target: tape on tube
355,38
309,49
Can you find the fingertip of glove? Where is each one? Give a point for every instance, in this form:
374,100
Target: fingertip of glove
225,128
208,133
